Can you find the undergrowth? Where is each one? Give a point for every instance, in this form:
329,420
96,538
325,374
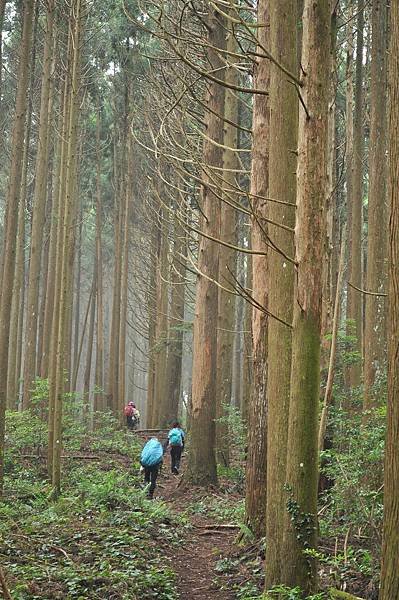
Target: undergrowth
102,538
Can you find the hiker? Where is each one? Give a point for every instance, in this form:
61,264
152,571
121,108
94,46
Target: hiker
135,416
129,412
132,415
176,438
151,460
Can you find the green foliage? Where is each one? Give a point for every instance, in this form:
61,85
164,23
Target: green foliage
237,434
282,592
101,539
355,464
223,509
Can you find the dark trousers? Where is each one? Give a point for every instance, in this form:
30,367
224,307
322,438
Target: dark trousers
175,455
150,476
129,422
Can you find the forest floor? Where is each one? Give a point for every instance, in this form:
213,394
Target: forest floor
104,540
207,553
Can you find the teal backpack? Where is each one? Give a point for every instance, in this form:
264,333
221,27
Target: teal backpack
175,437
152,453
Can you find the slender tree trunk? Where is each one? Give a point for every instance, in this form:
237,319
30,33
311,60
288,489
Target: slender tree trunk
302,458
17,312
78,277
116,299
161,330
255,498
175,350
38,214
12,203
390,555
125,274
68,203
334,338
375,313
89,355
201,467
151,309
281,276
227,259
99,403
354,312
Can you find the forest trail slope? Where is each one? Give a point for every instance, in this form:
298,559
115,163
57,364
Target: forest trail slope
203,546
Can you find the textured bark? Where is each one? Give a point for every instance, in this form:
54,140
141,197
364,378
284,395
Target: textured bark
302,458
255,498
201,467
12,203
354,310
226,301
38,214
175,342
99,399
90,343
113,370
125,275
375,309
161,326
151,308
390,555
334,338
64,272
282,169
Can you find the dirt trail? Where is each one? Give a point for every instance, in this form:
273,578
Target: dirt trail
201,549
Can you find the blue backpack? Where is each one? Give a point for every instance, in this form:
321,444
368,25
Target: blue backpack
175,437
152,453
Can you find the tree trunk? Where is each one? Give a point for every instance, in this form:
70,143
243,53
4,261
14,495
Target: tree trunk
255,498
201,468
227,259
354,311
390,555
12,203
375,310
281,277
66,240
125,274
302,458
161,328
89,355
99,403
38,214
175,349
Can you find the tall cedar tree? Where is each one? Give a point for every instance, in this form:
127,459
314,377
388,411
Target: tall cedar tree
302,458
201,467
390,554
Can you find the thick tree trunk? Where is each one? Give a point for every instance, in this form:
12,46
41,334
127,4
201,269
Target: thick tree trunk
12,203
255,497
302,458
390,555
281,277
201,467
375,310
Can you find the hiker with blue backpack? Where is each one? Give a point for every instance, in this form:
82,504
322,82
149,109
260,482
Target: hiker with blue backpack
176,439
151,460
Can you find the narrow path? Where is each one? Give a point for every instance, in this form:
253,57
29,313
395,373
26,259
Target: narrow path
202,548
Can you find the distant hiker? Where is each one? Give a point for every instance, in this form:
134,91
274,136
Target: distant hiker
132,415
129,411
176,438
151,461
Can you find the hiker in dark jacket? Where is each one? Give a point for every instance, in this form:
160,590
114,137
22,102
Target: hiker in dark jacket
176,440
